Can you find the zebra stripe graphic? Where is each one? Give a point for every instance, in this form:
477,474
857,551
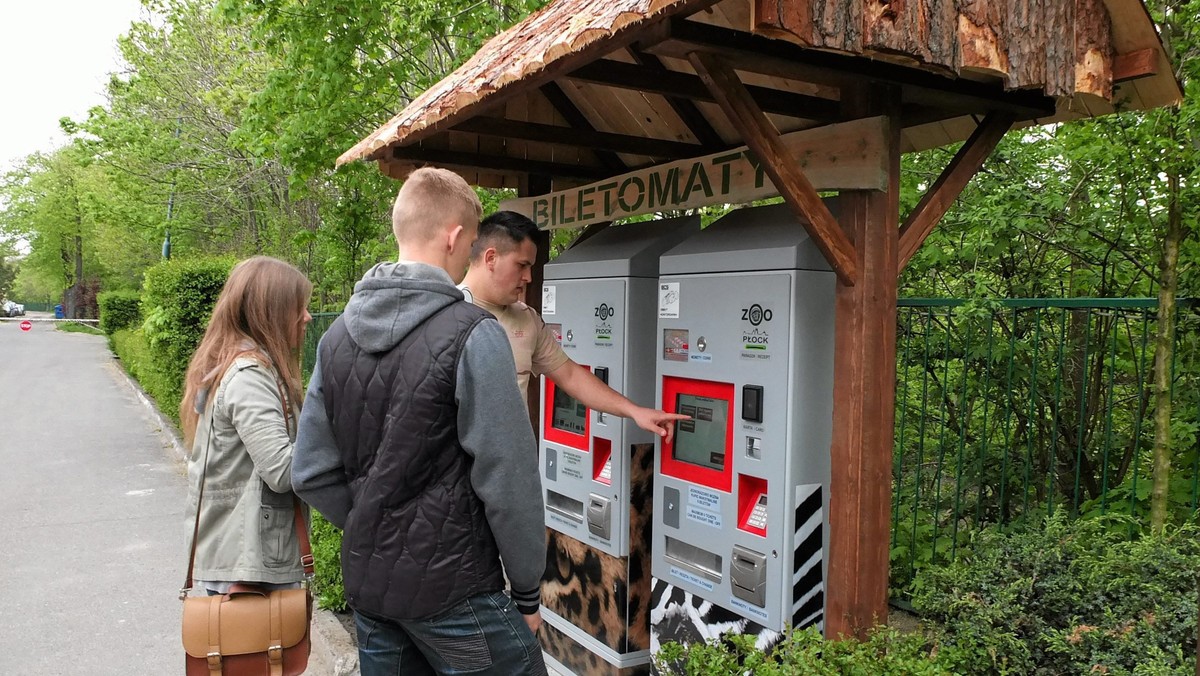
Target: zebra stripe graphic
808,583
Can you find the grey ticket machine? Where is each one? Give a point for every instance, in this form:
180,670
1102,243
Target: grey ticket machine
745,347
599,297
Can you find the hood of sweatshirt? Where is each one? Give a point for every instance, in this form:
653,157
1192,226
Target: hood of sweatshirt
392,299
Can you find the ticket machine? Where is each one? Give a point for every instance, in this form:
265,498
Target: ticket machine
745,347
599,297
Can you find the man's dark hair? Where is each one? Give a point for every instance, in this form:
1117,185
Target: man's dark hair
503,230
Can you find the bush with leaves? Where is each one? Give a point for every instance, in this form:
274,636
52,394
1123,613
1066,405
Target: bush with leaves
327,561
119,310
178,299
805,653
1074,597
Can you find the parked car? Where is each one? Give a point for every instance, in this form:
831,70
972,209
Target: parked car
12,309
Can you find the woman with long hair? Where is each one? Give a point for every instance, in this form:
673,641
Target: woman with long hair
241,401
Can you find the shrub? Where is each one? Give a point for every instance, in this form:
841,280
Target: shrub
177,301
327,559
119,310
1075,597
805,653
131,347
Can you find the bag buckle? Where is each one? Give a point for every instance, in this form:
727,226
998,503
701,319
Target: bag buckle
183,593
275,654
214,661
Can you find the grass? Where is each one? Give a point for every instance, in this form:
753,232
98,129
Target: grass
75,327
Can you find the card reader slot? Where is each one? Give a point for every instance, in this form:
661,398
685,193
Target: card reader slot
564,506
699,561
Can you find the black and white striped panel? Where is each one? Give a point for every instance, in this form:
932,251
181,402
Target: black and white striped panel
808,582
682,617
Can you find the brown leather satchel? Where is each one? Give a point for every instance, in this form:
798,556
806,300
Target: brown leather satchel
248,631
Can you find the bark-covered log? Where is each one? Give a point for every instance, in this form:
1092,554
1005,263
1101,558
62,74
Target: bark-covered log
1062,47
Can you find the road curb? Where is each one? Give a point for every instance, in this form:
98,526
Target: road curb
334,650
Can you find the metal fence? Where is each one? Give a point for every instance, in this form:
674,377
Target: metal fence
1007,411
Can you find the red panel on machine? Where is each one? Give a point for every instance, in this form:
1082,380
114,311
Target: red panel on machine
702,450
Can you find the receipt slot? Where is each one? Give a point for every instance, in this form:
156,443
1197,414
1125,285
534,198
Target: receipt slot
745,348
600,297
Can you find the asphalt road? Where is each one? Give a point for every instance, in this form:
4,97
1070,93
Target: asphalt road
91,502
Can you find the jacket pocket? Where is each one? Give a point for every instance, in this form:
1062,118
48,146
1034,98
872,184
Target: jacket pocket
276,529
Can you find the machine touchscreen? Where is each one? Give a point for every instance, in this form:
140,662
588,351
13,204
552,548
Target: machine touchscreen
569,414
701,440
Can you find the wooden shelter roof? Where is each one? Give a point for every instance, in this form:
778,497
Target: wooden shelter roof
585,89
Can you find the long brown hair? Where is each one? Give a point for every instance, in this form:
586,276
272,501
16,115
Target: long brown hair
258,314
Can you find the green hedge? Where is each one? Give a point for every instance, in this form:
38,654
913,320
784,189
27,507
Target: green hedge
131,346
119,310
1071,598
178,299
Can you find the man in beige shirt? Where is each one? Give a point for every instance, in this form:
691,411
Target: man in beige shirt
501,261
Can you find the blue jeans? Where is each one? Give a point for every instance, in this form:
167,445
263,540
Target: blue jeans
483,634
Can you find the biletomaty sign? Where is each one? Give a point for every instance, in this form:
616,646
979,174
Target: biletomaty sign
844,156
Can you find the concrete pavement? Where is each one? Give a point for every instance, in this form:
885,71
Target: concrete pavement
91,502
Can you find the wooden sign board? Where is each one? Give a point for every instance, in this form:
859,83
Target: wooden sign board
843,156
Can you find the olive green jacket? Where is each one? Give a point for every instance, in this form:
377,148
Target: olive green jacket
247,528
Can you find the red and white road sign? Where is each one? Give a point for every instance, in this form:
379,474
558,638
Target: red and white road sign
26,325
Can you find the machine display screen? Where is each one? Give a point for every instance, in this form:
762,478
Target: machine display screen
569,414
701,440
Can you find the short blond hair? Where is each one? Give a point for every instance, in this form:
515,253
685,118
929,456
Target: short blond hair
430,199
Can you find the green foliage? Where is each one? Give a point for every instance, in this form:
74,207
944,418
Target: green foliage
177,300
806,653
8,276
132,348
76,327
1074,597
119,310
327,559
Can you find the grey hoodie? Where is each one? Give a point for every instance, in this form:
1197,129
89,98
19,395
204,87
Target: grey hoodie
391,300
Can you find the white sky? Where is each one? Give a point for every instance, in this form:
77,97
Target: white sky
55,57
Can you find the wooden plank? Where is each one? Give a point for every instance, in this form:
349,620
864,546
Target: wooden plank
630,76
747,52
779,163
565,107
838,156
864,378
475,161
687,111
949,185
1134,65
583,138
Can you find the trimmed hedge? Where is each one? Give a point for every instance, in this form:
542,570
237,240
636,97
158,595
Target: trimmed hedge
131,347
119,310
178,300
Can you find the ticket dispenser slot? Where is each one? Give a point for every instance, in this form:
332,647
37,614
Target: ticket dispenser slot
690,557
565,506
748,573
599,516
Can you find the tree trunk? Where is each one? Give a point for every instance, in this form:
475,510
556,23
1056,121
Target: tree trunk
1164,349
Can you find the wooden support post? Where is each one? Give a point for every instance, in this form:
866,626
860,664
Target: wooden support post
536,185
937,199
763,139
864,391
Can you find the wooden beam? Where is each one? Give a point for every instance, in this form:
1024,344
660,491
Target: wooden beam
864,392
575,117
762,138
500,163
681,85
583,138
941,195
687,110
1134,65
753,53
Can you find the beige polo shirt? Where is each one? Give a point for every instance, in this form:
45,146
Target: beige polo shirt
535,347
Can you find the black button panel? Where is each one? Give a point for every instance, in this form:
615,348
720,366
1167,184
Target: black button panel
602,373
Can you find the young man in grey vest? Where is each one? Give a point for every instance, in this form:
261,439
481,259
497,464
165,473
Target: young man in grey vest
414,439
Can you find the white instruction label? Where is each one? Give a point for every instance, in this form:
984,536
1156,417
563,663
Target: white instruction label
693,579
668,300
549,298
